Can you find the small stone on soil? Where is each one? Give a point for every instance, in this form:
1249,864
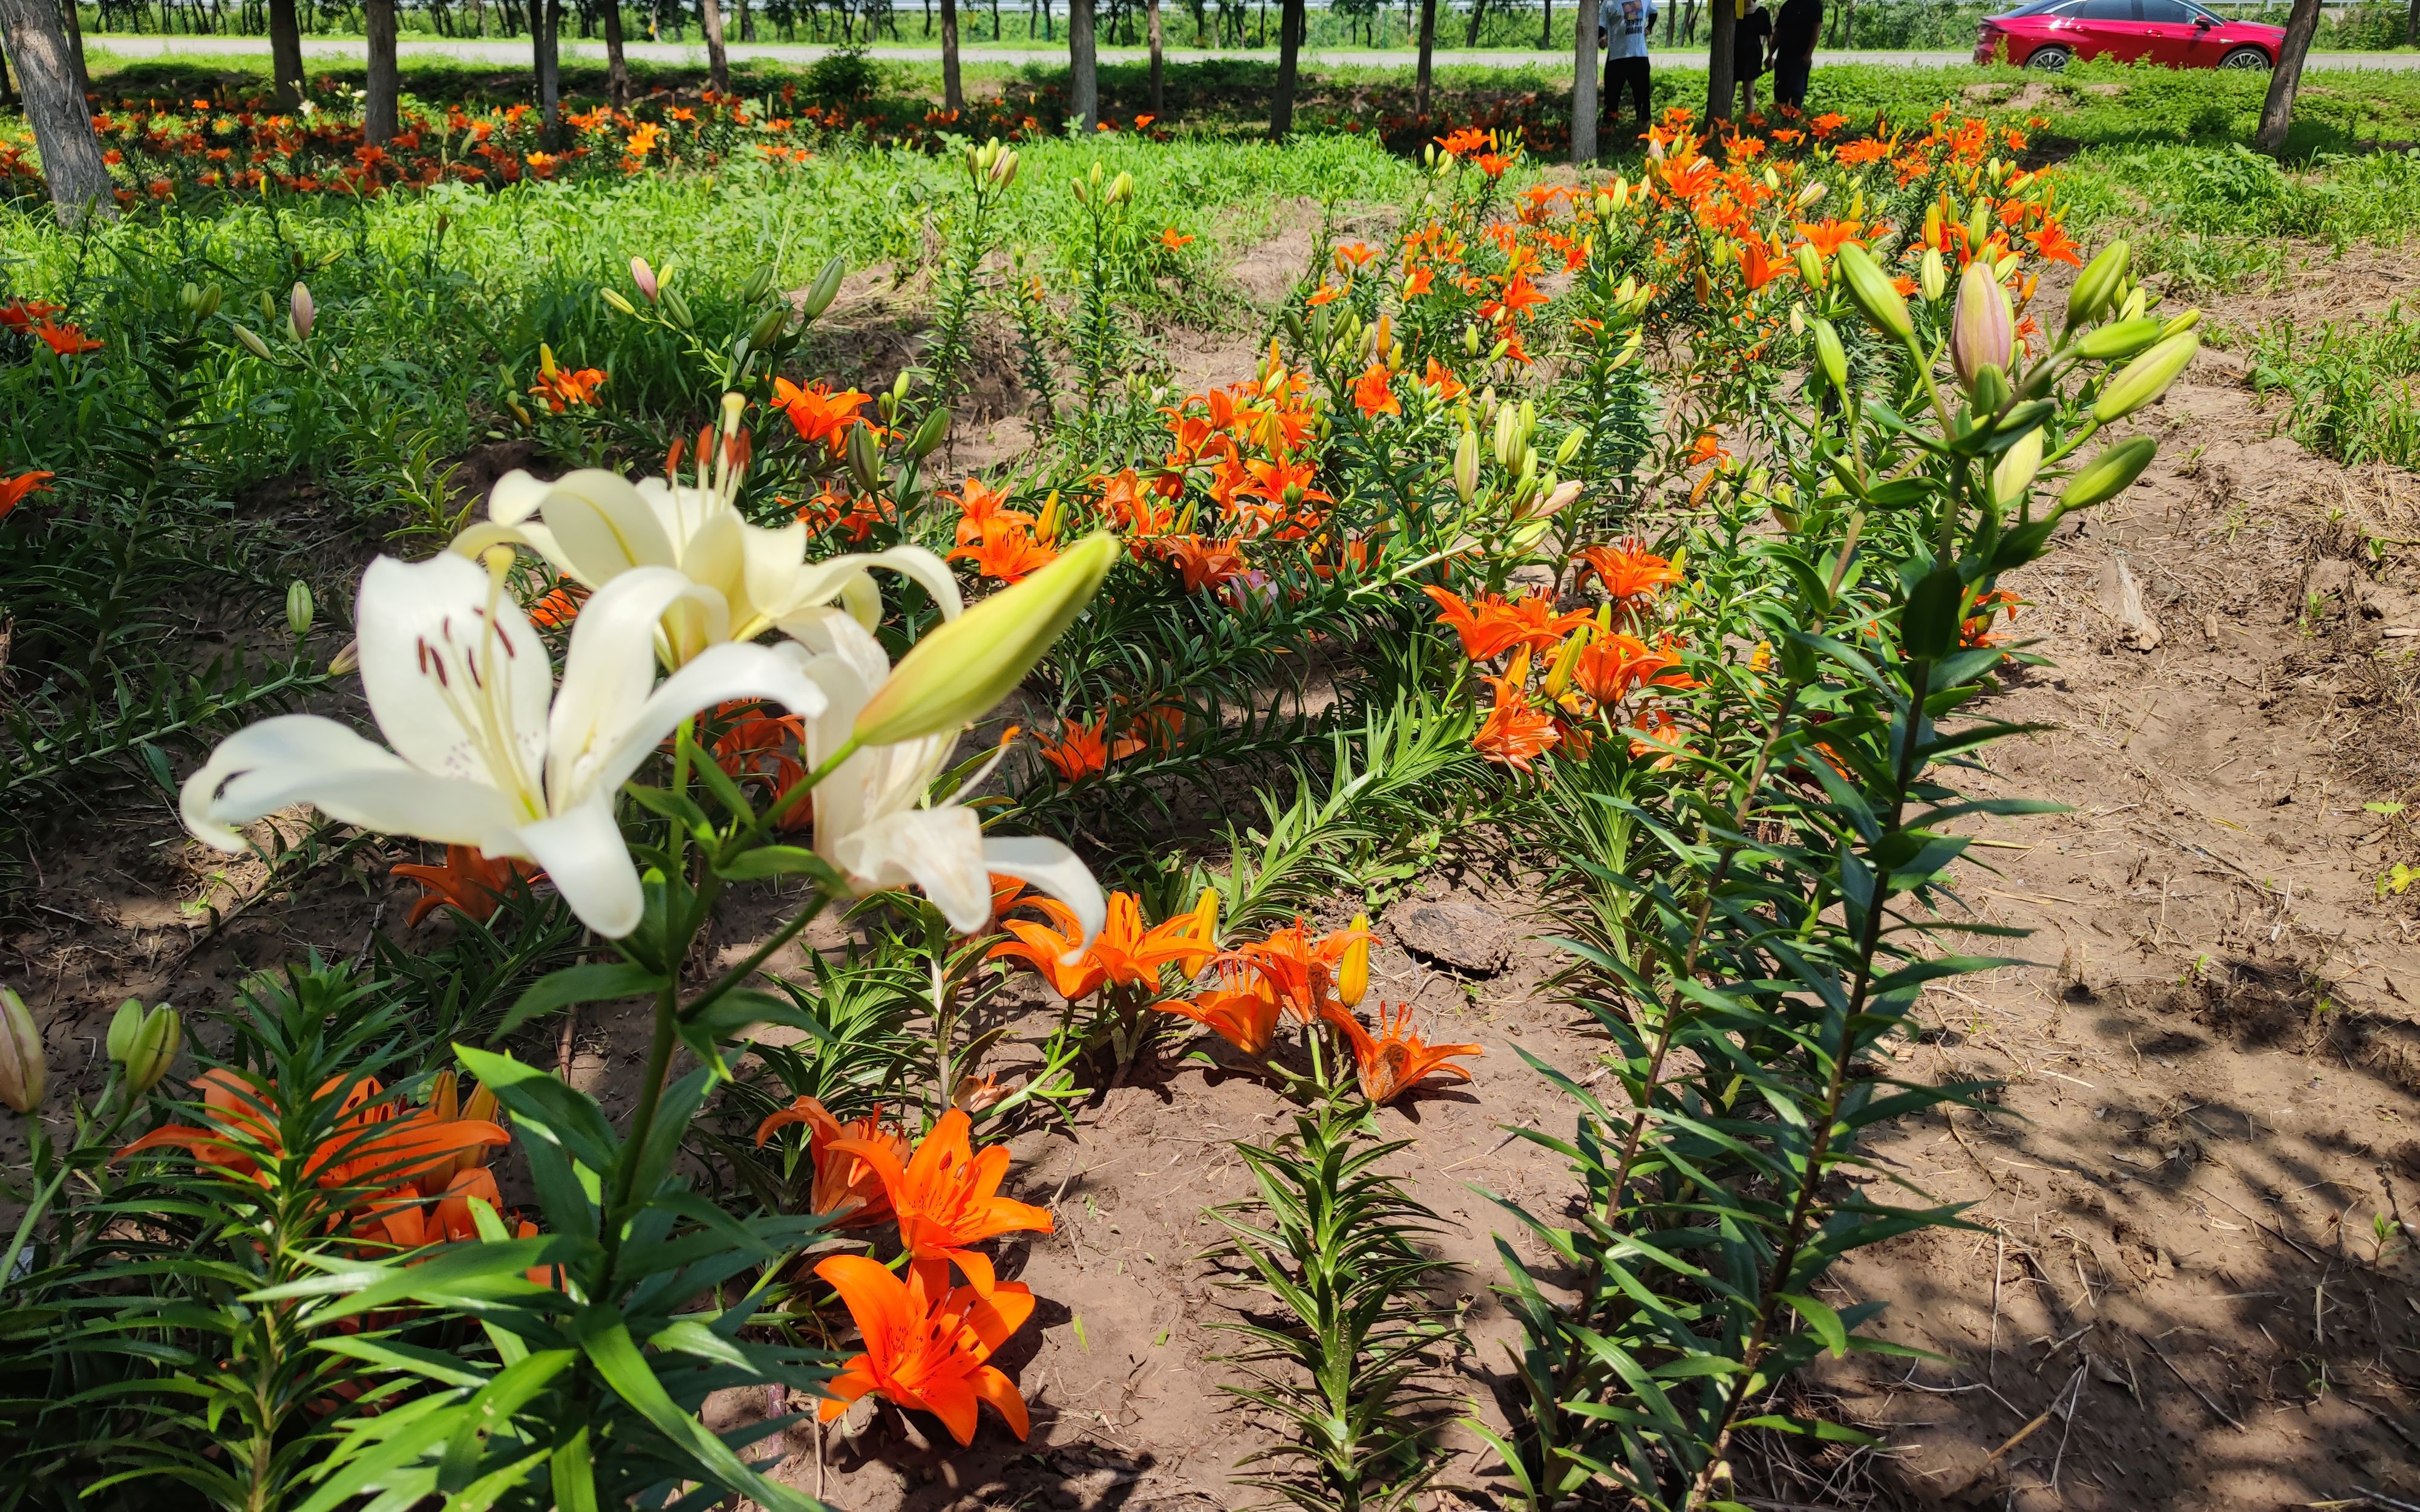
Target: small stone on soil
1458,934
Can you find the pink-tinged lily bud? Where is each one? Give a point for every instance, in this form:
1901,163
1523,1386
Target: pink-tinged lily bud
1983,333
644,277
23,1065
300,312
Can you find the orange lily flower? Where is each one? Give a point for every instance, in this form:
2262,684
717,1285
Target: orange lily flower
1440,380
66,341
1664,740
1514,733
1080,750
924,1352
1829,235
1396,1060
1009,555
409,1156
1373,393
1204,563
13,490
468,882
818,413
22,316
1171,238
1123,954
1299,970
1244,1013
947,1196
1629,570
561,387
982,511
843,1186
1483,637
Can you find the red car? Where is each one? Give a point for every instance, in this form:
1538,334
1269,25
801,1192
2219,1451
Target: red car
2051,34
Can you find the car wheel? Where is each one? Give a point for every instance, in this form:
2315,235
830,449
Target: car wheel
2244,57
2054,59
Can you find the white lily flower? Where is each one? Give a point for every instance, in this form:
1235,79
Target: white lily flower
873,822
487,751
593,526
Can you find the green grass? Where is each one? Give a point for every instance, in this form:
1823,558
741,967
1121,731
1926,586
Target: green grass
2349,385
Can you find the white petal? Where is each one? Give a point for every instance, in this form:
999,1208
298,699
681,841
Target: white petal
722,674
820,582
301,758
1054,868
604,526
940,850
609,670
454,696
586,859
774,560
516,497
475,540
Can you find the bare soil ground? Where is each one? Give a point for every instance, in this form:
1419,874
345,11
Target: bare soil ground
2174,1294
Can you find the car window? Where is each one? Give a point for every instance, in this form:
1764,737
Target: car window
2108,10
2168,12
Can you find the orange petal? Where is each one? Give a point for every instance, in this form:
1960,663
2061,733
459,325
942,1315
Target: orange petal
952,1400
990,1385
875,1299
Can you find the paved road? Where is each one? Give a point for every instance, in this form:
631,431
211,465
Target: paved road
510,51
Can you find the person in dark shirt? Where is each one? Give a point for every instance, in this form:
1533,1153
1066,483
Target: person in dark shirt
1794,50
1747,51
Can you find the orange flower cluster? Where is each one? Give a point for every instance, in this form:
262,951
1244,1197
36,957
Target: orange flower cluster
407,1174
1003,543
468,883
1084,747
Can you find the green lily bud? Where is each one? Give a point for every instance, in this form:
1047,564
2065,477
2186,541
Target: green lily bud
1465,465
768,327
961,670
616,303
864,459
299,609
930,435
1810,267
677,308
825,286
23,1066
145,1043
253,344
2097,287
2107,476
1571,446
1508,429
1989,390
758,284
2116,341
1870,290
1470,341
2018,465
1831,356
2144,378
1933,278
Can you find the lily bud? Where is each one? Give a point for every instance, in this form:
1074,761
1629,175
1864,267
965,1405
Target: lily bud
1831,356
253,344
1572,442
1003,169
1871,291
150,1047
2117,340
1508,428
1559,676
2137,299
1353,972
1121,189
299,607
2018,465
1983,330
616,303
1990,390
1932,277
2097,285
299,312
825,286
962,669
677,308
1465,465
348,659
768,327
23,1065
1812,192
1810,267
2107,476
1470,341
2144,378
759,284
1560,497
1045,529
644,277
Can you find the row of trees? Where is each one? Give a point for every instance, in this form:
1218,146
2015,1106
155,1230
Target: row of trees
45,44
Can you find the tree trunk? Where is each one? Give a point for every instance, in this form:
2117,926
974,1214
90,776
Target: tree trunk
617,67
1083,76
1584,101
62,121
379,109
1478,14
2277,112
718,63
1159,63
1290,27
1721,87
546,21
75,48
1546,27
7,89
286,53
2411,24
1428,50
954,99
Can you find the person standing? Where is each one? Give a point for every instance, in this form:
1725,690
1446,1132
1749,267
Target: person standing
1794,50
1623,31
1748,38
